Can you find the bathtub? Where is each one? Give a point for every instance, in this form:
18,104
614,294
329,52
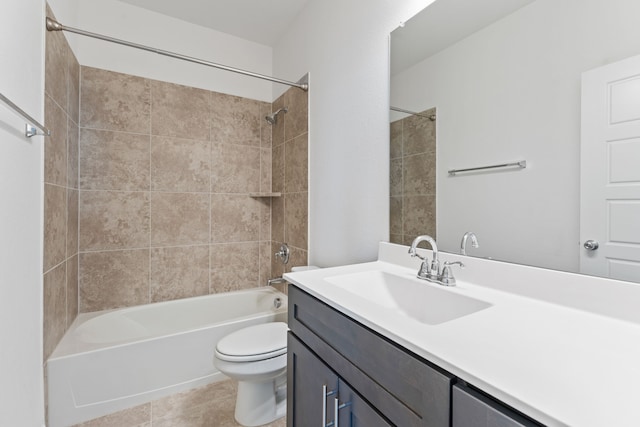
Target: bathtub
115,359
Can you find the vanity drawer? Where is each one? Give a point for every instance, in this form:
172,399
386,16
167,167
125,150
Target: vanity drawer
473,409
407,390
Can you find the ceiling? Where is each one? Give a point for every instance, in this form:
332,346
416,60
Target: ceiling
260,21
442,24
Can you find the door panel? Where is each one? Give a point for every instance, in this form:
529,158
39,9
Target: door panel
610,170
624,98
307,376
623,161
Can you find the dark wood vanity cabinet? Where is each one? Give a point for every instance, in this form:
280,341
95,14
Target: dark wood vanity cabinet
380,383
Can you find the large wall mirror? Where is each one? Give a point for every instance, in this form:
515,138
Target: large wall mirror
501,81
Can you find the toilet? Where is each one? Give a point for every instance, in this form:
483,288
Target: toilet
256,357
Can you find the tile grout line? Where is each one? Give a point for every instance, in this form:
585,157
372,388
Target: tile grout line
262,190
247,193
284,175
168,246
80,108
150,94
402,176
210,239
66,225
78,190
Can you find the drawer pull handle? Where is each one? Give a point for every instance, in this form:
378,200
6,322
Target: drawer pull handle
325,394
337,407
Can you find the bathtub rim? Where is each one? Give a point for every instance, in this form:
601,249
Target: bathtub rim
65,349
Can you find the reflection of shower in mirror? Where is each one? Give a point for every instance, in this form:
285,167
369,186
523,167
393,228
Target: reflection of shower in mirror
413,176
431,117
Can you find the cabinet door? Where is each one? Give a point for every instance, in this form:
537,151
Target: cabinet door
472,409
353,411
311,387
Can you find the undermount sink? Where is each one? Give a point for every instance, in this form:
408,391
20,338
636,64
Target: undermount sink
410,297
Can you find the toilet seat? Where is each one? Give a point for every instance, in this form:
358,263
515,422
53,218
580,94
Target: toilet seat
259,342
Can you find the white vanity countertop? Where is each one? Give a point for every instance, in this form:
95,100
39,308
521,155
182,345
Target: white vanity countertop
561,365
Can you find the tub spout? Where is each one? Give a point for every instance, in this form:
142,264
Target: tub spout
275,280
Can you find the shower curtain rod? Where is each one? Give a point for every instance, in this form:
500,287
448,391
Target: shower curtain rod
53,25
431,117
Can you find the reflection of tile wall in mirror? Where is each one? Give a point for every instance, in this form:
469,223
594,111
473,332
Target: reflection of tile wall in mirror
412,177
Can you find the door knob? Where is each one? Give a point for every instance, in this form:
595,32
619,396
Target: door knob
591,245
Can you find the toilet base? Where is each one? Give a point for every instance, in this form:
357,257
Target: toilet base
259,403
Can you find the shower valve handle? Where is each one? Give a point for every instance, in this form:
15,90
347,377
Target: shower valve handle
283,253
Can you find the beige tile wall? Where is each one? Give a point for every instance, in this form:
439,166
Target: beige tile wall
60,258
413,178
290,177
164,206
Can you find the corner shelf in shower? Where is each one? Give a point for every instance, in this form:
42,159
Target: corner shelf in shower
256,195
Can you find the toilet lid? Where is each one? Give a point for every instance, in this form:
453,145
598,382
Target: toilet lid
257,342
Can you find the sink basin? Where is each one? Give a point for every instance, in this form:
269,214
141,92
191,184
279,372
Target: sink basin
409,296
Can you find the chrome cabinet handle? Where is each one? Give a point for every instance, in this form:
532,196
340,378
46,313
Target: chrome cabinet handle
324,405
337,408
325,394
591,245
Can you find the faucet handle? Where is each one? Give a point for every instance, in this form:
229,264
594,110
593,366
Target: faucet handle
448,263
447,278
425,271
283,253
414,253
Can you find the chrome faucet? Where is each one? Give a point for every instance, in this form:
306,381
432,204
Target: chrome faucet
426,272
432,272
463,243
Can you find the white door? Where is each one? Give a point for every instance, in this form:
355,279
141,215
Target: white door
610,171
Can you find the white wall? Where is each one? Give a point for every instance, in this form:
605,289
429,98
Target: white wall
22,81
126,22
512,92
344,47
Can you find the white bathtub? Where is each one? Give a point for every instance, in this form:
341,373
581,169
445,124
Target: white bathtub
115,359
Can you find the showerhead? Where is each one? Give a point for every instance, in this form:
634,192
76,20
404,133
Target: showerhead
273,117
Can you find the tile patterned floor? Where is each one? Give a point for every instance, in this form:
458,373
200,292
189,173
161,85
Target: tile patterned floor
209,406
